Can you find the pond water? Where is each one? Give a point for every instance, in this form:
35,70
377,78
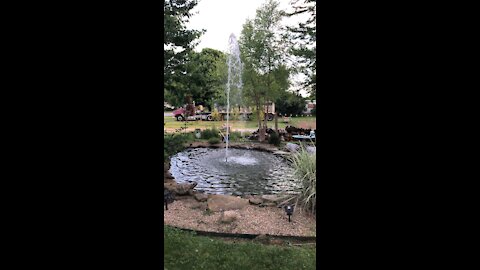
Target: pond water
246,172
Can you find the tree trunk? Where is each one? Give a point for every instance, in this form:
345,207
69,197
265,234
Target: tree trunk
276,123
261,132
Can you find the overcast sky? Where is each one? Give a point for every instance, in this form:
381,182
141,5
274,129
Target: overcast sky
220,18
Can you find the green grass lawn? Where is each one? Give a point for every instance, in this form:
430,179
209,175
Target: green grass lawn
305,122
185,250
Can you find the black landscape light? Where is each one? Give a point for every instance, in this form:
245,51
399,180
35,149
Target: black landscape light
168,197
289,211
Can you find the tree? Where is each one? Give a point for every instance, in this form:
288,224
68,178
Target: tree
290,104
205,76
178,43
302,39
262,53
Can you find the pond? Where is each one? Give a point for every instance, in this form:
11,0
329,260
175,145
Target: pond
247,172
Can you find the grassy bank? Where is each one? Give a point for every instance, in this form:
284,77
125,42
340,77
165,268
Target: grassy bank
185,250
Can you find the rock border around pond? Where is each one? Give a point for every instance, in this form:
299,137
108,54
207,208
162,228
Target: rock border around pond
229,211
186,189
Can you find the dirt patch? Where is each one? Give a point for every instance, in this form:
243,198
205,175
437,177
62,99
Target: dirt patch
251,220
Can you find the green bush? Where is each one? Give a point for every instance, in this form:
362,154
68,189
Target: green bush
210,133
235,136
174,143
213,140
274,139
304,164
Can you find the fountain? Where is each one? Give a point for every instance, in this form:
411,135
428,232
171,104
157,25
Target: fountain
247,172
234,79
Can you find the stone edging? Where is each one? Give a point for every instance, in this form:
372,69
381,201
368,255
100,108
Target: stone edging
250,236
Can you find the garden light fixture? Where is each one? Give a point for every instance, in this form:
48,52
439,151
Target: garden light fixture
289,211
168,197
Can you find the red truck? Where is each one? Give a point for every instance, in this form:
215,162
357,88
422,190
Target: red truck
180,115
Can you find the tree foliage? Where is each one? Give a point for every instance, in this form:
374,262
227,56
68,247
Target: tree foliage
303,42
206,75
262,50
290,104
178,43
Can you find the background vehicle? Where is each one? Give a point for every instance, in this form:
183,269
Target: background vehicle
180,114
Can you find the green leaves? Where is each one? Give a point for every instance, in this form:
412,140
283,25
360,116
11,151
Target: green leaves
204,77
303,41
178,42
304,164
265,76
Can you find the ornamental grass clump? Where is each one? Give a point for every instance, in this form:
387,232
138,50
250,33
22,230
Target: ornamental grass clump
304,165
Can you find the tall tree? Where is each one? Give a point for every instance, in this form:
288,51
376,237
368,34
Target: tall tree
206,74
302,39
178,43
262,54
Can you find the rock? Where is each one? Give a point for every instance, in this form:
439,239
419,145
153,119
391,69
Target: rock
311,149
228,217
281,153
179,189
168,175
171,186
255,201
216,203
272,198
201,197
292,147
168,180
183,189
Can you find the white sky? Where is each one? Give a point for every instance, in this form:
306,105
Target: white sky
220,18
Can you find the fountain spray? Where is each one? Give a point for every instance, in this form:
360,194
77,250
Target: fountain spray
234,78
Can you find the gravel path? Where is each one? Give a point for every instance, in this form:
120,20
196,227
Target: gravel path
252,220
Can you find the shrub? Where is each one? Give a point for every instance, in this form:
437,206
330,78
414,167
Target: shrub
213,140
235,136
274,139
210,133
174,143
304,164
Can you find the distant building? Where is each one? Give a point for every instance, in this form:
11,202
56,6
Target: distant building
309,105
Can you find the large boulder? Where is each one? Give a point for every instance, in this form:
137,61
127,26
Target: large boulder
292,147
217,203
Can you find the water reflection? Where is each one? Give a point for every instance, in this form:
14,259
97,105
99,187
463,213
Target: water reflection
246,172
